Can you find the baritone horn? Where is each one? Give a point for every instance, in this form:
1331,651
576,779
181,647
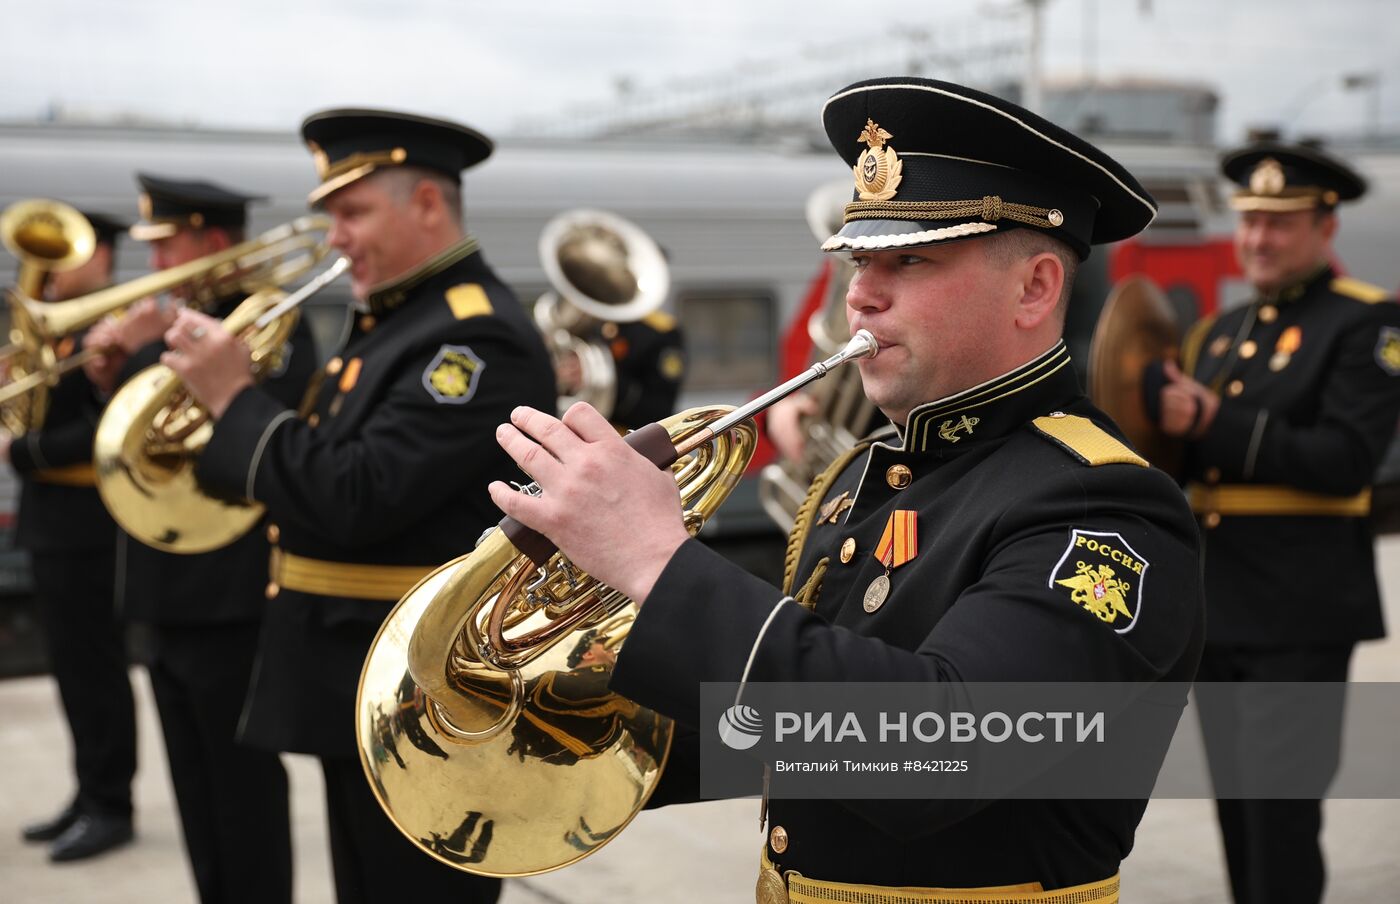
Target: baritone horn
603,270
152,433
485,723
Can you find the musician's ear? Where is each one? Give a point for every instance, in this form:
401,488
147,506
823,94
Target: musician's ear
1042,283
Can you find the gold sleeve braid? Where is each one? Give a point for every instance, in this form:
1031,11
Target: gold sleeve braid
807,512
807,596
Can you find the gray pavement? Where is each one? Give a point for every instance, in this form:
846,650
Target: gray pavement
697,853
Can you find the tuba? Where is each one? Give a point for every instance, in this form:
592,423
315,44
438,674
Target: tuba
152,432
490,677
603,270
843,413
46,237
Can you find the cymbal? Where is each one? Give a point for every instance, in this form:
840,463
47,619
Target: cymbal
1136,328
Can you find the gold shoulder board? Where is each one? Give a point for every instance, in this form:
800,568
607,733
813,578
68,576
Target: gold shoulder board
468,300
660,321
1086,441
1361,291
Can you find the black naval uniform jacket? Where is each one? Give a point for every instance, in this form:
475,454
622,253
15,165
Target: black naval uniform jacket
389,466
225,585
1309,400
1015,483
57,514
650,358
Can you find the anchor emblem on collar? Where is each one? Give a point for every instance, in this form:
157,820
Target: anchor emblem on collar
949,429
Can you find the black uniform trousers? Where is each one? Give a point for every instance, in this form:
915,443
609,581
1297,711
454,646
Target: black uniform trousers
398,870
1273,847
87,655
232,798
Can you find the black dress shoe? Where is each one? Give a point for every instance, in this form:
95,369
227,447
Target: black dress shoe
50,829
89,836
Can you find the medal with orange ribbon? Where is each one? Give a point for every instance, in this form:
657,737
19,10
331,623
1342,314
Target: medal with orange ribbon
1288,343
898,544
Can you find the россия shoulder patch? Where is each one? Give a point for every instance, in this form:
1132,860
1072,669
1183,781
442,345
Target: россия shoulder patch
452,376
1103,575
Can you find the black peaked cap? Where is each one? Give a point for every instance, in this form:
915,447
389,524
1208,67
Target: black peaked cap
935,162
349,144
169,204
1274,175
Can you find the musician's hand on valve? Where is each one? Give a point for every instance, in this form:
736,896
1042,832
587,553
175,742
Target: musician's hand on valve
1188,407
144,323
784,424
613,513
103,369
214,364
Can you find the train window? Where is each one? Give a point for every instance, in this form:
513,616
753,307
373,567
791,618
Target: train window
731,339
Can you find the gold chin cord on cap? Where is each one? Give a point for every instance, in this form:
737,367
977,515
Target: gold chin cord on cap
989,208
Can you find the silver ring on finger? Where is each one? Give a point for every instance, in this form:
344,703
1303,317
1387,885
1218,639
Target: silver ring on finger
197,333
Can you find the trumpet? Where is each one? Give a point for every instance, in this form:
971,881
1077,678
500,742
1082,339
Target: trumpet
491,674
152,433
274,258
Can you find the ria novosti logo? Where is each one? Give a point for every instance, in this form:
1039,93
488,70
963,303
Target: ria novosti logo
740,727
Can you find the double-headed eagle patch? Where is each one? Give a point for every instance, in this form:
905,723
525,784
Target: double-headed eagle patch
1104,576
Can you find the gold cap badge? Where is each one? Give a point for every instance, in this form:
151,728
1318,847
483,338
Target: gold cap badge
320,159
878,171
1267,178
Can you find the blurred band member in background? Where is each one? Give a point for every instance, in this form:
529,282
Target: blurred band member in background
1287,404
71,542
205,610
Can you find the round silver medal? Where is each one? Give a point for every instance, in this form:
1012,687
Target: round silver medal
877,591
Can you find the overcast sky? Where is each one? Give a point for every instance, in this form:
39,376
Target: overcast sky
266,63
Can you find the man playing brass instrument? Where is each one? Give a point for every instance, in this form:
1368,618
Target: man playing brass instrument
205,610
70,539
384,475
969,217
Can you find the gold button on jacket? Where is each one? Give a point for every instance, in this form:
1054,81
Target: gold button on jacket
899,476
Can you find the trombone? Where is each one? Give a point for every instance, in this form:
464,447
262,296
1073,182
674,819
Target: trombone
274,258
